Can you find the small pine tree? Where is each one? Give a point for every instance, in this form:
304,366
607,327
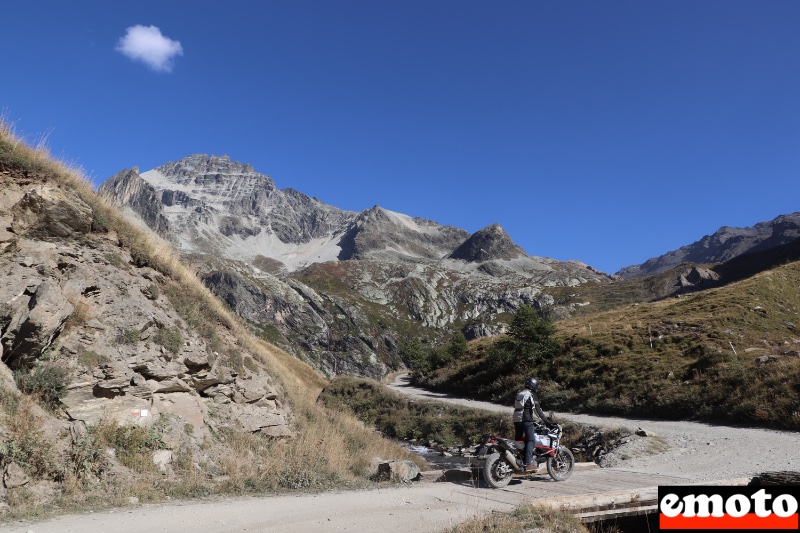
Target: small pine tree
457,347
415,355
533,338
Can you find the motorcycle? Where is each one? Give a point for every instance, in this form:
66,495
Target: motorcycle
505,457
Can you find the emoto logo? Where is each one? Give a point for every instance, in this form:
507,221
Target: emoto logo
700,508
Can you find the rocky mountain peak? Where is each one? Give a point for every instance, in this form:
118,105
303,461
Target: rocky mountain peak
213,174
492,242
378,231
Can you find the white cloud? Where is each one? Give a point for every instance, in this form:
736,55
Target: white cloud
146,44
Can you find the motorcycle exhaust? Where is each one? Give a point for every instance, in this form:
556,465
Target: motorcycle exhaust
512,461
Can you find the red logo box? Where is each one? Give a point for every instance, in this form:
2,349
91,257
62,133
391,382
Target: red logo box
742,509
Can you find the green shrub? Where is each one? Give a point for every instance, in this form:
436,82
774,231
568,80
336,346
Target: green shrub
140,257
100,222
129,336
34,454
415,355
86,458
133,445
91,359
171,339
113,259
46,382
401,418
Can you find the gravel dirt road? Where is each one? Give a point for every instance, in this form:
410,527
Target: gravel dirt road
697,452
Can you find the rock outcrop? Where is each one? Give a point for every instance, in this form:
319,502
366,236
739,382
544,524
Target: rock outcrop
74,299
138,196
489,243
50,213
697,277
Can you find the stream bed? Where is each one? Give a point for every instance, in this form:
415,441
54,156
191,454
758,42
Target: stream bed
441,460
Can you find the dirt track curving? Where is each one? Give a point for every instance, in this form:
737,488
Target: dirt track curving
697,452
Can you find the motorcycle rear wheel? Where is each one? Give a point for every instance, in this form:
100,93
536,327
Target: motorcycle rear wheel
496,471
561,465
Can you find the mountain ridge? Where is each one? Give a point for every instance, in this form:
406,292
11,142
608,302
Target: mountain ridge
724,244
366,280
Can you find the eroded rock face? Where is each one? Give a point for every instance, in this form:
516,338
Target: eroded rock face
697,276
31,320
141,198
378,233
51,213
82,305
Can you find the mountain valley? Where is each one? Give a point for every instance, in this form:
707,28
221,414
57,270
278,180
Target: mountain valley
342,290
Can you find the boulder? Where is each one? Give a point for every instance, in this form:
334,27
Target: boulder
259,419
14,476
159,370
251,390
219,375
196,361
220,393
162,459
113,381
172,385
51,213
401,471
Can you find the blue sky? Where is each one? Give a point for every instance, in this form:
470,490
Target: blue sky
608,132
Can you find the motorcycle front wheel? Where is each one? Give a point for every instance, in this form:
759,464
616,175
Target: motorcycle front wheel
560,466
496,471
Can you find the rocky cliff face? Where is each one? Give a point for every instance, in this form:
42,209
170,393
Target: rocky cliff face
74,305
725,244
214,205
343,290
377,233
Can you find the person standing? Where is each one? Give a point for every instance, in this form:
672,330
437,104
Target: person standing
525,405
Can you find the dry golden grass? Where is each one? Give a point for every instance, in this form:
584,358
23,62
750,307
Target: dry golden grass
83,311
525,518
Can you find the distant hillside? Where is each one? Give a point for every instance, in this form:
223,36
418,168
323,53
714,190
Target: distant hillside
725,244
730,354
680,280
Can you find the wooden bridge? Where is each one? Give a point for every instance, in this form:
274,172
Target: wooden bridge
593,494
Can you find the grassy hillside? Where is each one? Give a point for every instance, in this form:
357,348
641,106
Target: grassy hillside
730,354
330,449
